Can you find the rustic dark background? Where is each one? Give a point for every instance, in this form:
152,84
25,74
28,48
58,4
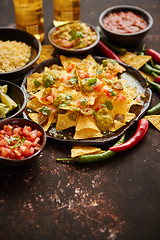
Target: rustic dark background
113,200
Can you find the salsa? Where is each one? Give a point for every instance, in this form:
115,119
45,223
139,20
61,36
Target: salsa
19,142
124,22
74,35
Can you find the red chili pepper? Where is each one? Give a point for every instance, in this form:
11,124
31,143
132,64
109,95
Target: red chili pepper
154,54
157,77
137,137
107,51
158,80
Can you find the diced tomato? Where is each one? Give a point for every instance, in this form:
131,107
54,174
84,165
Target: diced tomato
49,99
98,87
27,143
17,130
81,74
26,131
8,129
70,67
36,141
106,91
97,108
3,142
10,136
120,97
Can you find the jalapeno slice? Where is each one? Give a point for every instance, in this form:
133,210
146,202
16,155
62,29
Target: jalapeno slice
87,112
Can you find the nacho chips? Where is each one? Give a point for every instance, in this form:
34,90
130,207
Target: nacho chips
155,120
83,95
135,60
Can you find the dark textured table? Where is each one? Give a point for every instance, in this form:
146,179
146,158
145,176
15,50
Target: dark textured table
115,200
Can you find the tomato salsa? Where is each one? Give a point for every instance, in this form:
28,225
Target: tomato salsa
19,142
124,22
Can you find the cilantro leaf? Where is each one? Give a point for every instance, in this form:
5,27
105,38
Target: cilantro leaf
108,104
45,110
37,83
83,102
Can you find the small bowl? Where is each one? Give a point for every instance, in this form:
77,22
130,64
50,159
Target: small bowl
128,39
13,34
17,94
71,50
21,123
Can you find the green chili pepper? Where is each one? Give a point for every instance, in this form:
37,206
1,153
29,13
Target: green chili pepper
154,110
148,69
156,86
95,157
157,66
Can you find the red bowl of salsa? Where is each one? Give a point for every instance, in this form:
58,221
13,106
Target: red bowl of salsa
125,25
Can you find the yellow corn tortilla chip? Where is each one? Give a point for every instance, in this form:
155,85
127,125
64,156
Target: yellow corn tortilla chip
66,61
64,122
31,86
116,125
46,53
155,120
86,128
77,151
147,76
130,116
34,104
135,60
34,117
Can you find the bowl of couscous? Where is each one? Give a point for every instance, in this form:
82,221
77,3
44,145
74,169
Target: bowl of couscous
19,51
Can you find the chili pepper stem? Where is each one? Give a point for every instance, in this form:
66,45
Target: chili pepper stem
64,159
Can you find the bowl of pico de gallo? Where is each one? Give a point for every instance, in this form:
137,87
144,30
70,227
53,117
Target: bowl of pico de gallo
74,38
125,25
21,141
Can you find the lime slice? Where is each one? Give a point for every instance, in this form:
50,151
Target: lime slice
4,106
4,88
8,101
2,112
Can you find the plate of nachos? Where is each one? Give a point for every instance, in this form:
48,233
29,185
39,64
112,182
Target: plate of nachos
85,100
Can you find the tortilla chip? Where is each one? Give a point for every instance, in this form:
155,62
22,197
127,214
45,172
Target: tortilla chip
135,60
147,76
155,120
34,117
130,116
46,53
66,61
77,151
86,128
116,125
31,86
34,104
64,122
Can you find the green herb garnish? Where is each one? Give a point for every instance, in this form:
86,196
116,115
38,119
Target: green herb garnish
45,111
108,104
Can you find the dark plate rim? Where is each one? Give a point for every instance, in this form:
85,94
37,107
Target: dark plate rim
103,140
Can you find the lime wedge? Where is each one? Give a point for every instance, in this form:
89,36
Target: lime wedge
8,101
2,112
4,88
